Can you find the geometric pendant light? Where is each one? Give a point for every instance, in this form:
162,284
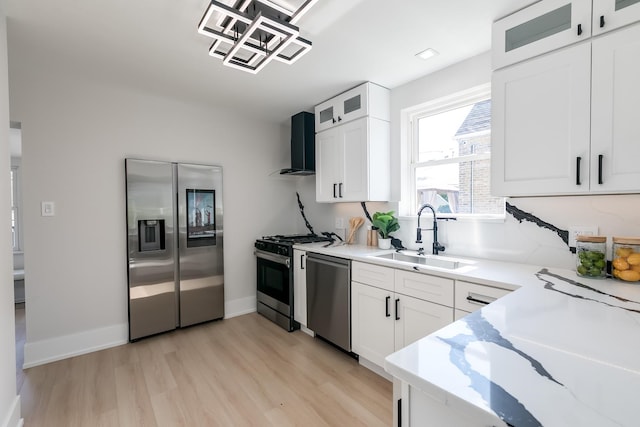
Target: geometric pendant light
248,34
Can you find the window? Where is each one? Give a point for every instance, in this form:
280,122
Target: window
450,163
15,212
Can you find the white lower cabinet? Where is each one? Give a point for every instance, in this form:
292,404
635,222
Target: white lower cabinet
300,286
415,407
384,320
416,318
372,322
436,409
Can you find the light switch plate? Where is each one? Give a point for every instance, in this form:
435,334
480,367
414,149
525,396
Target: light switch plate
48,208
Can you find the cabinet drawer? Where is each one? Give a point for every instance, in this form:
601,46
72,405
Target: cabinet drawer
374,275
425,287
472,296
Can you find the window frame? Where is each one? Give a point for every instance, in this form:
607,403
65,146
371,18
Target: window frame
16,204
434,107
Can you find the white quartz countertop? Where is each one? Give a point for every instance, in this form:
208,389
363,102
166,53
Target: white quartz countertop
559,351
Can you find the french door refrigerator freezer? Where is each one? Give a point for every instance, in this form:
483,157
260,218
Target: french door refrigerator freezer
174,245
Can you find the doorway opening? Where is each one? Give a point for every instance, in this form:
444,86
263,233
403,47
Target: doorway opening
15,143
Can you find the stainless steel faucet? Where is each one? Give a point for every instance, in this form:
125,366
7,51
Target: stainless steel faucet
437,247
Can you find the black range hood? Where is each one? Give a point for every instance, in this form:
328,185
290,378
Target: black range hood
303,145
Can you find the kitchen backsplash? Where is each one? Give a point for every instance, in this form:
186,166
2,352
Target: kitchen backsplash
533,239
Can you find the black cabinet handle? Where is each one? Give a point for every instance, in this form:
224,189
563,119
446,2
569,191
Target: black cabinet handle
339,118
600,157
334,190
579,33
578,160
388,300
302,262
477,301
601,21
397,301
340,190
333,120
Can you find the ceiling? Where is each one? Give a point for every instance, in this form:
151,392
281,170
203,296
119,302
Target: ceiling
153,45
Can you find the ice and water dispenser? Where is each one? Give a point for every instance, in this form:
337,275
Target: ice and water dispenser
151,235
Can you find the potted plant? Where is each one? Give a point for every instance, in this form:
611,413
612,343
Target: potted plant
386,224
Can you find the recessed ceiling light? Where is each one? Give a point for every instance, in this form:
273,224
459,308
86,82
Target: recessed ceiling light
427,53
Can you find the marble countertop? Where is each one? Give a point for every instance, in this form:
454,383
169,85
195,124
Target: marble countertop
559,351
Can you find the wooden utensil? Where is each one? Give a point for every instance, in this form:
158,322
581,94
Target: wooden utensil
354,223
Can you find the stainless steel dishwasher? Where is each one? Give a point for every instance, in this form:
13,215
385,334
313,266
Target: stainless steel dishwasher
329,298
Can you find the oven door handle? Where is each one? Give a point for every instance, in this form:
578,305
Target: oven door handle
273,257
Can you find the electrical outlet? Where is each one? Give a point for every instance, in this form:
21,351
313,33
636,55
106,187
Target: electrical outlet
581,230
339,223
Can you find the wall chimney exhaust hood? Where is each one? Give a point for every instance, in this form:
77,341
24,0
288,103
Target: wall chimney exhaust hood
303,145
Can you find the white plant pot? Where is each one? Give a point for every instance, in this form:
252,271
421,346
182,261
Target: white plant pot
384,243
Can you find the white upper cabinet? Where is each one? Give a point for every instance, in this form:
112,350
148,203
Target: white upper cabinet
540,28
611,14
368,99
615,127
352,154
352,162
565,122
540,125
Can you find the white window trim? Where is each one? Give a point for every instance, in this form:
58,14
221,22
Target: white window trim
15,166
409,128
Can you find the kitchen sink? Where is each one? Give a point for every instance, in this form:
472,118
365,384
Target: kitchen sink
425,260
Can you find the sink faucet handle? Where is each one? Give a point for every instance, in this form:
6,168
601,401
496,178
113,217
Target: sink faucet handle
419,235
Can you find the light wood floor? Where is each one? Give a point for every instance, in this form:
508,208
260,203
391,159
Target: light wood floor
21,335
235,372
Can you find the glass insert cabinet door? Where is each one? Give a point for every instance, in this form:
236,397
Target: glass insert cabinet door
540,28
611,14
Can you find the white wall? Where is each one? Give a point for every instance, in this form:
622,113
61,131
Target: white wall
9,401
76,133
507,240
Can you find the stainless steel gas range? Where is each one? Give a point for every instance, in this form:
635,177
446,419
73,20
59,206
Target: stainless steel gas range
274,258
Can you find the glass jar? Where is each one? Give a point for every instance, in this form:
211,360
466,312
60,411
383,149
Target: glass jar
626,259
590,259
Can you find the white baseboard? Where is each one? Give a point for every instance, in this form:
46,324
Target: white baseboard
240,306
58,348
307,331
12,419
375,368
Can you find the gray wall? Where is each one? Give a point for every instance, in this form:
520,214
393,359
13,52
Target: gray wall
9,401
76,132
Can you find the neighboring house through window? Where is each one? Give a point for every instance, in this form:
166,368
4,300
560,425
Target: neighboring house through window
450,157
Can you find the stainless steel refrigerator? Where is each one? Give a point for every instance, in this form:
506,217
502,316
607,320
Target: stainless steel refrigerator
174,245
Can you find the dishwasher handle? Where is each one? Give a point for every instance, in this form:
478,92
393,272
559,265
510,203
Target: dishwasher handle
328,260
